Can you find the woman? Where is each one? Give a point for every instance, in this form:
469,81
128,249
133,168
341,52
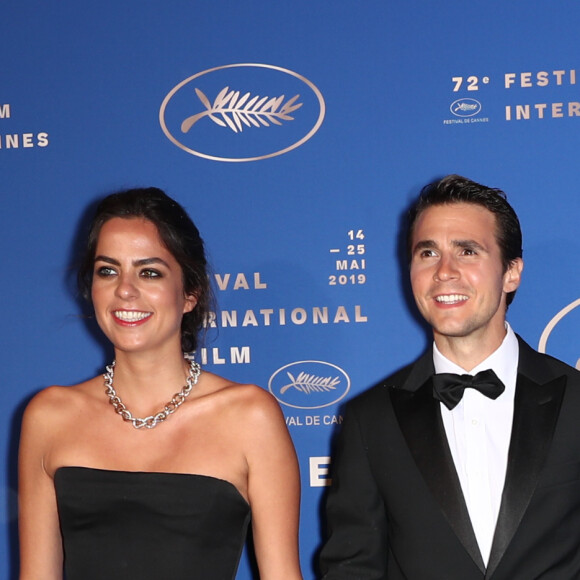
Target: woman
117,482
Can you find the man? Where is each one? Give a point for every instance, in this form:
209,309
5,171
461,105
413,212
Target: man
433,479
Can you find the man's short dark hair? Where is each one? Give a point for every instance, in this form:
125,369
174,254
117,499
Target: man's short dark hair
456,189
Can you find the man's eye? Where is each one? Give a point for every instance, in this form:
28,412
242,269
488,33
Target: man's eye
427,253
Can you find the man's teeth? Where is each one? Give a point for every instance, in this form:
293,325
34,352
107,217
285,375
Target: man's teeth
131,315
451,298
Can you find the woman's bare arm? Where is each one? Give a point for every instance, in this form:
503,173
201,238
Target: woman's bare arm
273,489
40,540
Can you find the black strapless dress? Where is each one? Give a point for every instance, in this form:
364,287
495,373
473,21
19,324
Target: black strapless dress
120,525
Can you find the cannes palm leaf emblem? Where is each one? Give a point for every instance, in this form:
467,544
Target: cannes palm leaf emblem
309,384
231,110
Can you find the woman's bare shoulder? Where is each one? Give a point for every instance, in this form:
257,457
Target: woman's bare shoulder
52,416
51,402
244,400
242,392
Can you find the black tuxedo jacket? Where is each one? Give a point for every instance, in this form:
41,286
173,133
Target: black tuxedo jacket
395,507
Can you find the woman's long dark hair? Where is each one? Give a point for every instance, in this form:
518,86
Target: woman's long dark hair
179,235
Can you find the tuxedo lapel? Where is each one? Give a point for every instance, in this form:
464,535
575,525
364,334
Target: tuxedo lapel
536,409
419,417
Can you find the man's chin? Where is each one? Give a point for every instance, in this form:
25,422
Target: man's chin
452,331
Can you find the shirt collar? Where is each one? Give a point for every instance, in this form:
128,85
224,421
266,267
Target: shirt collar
503,361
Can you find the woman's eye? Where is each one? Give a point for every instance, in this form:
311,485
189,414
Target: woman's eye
105,271
148,273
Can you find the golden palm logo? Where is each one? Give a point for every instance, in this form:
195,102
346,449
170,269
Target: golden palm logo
231,110
307,383
242,112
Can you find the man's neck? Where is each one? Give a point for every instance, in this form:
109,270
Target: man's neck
468,352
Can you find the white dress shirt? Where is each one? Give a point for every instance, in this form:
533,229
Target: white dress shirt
478,430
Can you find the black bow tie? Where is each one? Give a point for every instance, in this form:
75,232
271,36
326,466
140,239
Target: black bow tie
448,387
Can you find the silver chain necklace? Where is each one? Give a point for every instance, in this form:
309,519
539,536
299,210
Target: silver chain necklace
152,420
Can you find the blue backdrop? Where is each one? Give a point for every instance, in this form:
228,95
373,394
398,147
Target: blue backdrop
297,164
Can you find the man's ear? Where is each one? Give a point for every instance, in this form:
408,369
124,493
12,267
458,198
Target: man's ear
513,275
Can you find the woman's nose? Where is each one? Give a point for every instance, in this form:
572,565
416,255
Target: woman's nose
126,288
